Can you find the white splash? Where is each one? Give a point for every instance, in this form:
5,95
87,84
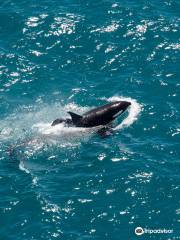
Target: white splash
23,168
5,132
60,131
133,110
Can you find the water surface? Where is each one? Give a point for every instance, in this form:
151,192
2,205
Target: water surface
76,55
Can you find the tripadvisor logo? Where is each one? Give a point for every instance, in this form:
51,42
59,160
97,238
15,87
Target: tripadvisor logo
139,231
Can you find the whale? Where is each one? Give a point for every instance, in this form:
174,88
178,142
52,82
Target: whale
99,116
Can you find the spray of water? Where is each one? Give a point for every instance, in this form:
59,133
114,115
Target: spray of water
133,111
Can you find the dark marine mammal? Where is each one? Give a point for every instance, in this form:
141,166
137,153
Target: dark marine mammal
103,115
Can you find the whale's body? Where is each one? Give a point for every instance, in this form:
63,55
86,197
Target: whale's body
100,116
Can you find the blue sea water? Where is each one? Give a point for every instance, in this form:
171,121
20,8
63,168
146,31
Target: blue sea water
68,183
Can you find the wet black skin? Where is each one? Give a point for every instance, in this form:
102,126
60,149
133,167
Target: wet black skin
99,116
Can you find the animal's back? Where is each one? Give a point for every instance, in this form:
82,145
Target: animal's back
98,110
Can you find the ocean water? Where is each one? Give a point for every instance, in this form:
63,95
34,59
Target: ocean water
68,183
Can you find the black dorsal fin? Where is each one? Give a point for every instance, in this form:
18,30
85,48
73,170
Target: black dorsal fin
75,117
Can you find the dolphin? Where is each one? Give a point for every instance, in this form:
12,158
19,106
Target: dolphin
100,116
